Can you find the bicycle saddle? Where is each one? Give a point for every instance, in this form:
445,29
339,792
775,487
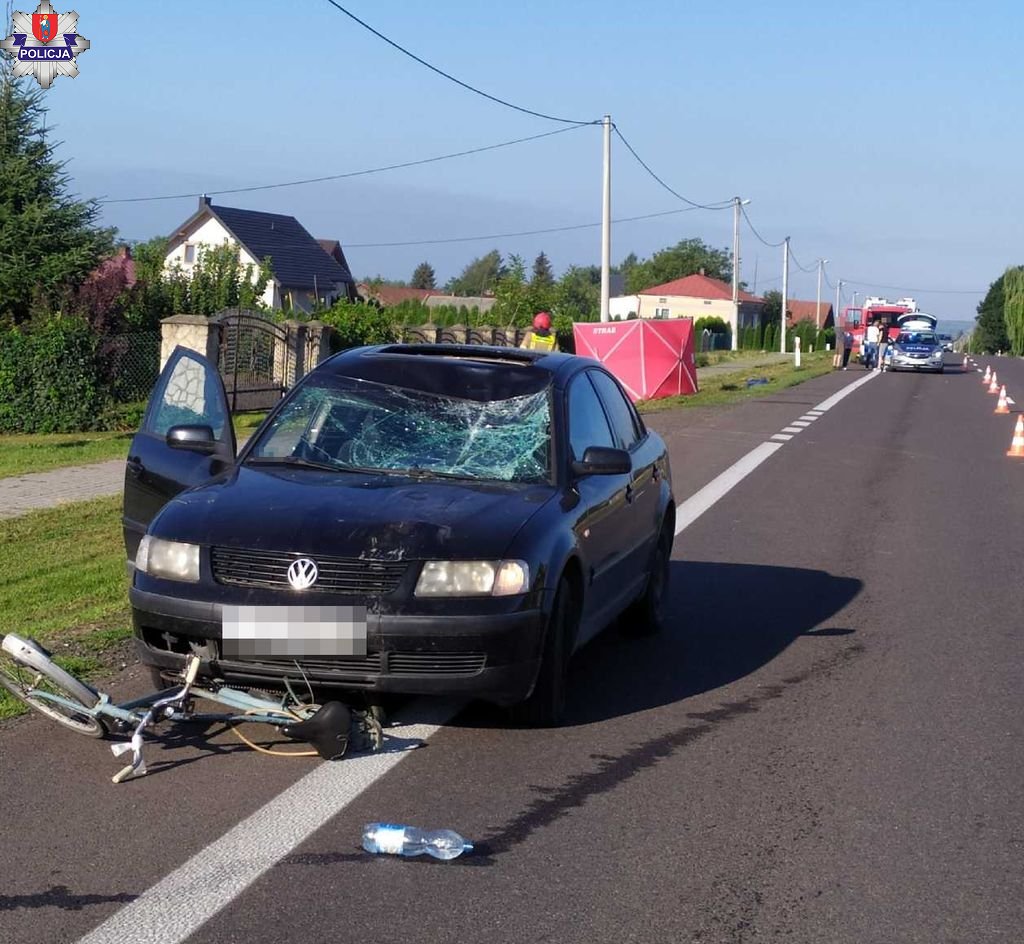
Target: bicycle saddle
327,730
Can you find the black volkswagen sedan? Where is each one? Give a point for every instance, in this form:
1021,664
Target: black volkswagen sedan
431,519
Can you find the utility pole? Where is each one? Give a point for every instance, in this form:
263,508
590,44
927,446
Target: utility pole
736,204
785,295
817,307
606,221
839,286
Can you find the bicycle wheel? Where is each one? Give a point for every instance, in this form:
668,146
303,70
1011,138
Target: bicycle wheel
25,682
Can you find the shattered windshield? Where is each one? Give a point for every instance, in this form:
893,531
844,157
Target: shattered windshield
360,425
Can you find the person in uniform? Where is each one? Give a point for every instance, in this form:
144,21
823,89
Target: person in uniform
540,337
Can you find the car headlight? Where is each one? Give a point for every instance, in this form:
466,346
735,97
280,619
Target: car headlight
473,578
937,355
171,560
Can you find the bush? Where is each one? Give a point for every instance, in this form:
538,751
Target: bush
49,378
357,324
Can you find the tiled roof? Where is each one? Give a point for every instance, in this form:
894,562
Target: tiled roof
798,310
297,259
699,286
389,295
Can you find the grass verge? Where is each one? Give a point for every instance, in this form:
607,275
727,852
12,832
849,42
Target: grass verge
22,454
732,387
63,583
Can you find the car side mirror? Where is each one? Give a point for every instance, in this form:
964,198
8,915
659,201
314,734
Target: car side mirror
603,460
192,439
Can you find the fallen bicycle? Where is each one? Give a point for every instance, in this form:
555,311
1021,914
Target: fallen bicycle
29,673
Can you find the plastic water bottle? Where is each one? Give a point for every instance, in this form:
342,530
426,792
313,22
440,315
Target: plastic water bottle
393,839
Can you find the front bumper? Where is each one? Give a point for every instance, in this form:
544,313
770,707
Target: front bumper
913,363
494,657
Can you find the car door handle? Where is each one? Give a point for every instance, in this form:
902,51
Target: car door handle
135,466
629,493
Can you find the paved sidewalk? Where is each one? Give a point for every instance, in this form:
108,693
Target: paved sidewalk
22,493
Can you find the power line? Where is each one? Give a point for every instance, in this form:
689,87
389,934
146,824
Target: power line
793,259
451,78
721,205
354,173
924,291
532,232
743,210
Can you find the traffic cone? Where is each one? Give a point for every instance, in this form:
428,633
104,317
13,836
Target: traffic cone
994,386
1002,406
1017,444
967,366
988,375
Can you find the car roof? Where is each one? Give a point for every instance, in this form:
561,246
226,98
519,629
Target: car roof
477,370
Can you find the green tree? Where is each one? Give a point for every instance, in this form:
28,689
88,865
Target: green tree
423,276
543,277
218,280
49,241
578,293
771,313
480,276
687,257
990,334
1013,308
518,300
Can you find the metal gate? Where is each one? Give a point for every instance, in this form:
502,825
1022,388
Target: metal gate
253,360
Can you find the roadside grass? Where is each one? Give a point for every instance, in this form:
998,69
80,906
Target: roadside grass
63,583
731,387
21,454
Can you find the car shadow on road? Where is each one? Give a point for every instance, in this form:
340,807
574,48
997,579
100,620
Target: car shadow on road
725,622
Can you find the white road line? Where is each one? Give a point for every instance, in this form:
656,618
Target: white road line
791,429
814,413
844,393
808,418
176,907
801,423
782,437
689,511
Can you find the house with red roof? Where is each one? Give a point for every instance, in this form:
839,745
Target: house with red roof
694,296
797,310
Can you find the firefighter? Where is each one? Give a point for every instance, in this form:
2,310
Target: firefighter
540,337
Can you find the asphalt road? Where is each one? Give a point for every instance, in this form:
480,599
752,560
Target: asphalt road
826,747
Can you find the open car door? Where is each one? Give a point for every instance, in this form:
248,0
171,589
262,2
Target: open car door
186,437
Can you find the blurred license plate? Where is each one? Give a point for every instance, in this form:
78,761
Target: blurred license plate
254,632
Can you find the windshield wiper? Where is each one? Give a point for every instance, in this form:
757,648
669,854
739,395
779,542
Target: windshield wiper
295,460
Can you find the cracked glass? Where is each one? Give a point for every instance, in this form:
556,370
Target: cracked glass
361,425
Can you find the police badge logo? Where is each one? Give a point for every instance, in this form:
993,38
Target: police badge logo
45,44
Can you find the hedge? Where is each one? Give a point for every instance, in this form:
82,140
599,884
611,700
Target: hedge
49,378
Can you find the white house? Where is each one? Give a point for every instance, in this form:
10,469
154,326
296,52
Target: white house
303,270
695,296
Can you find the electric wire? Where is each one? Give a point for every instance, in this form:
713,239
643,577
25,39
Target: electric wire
795,261
347,174
451,78
922,291
531,232
721,205
743,210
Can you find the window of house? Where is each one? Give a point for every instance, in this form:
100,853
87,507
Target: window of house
660,312
190,253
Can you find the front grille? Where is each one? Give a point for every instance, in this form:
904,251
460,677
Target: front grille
342,575
435,663
398,663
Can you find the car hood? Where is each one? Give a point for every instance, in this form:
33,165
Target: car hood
375,517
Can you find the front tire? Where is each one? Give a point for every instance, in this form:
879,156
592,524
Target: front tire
545,706
24,681
647,616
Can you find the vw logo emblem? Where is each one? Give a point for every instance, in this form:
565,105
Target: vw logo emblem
302,573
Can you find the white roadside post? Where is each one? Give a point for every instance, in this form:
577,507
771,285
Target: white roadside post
796,351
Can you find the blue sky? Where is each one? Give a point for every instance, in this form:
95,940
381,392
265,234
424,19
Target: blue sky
885,137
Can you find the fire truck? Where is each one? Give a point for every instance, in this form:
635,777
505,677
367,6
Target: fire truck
889,316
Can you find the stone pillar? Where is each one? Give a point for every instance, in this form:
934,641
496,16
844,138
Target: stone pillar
295,365
192,331
318,343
